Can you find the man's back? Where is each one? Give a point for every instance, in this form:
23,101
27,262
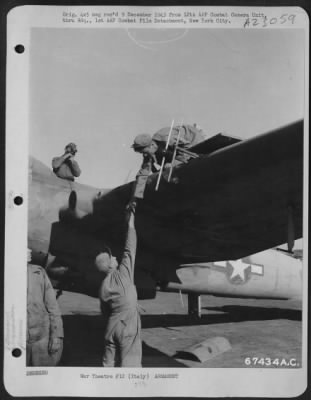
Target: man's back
118,295
189,135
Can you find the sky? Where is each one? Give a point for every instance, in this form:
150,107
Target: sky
100,88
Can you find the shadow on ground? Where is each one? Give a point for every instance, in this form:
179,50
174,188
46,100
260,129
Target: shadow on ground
84,334
153,358
224,314
84,345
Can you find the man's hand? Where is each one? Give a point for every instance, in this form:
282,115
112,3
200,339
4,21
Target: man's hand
157,166
130,211
55,345
131,207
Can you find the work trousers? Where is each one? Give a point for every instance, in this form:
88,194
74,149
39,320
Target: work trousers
37,354
123,347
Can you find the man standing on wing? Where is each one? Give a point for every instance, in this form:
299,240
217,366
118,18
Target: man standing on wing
118,299
65,166
153,149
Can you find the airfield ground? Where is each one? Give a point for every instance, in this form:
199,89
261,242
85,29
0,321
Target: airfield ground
254,328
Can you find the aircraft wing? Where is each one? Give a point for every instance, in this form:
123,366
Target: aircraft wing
234,201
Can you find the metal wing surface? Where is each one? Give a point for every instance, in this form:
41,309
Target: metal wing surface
233,202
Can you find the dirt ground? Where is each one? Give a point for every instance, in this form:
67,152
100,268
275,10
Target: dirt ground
254,328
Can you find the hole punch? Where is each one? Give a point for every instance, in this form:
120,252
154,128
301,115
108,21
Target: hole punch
19,48
18,200
16,352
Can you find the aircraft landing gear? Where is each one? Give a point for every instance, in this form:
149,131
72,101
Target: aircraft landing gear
194,305
290,229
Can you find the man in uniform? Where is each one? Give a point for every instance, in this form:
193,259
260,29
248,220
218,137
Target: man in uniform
153,150
118,299
44,322
65,166
154,146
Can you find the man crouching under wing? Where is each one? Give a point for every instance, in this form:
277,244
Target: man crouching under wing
118,298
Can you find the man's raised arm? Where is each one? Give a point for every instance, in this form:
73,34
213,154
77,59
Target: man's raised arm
128,259
58,161
75,169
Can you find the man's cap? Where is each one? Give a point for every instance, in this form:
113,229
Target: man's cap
73,146
141,141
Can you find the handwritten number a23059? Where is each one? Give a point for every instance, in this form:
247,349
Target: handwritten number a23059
269,21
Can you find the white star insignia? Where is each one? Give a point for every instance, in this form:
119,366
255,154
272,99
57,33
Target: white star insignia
239,268
239,271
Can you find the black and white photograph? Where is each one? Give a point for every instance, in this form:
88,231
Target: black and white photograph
157,183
